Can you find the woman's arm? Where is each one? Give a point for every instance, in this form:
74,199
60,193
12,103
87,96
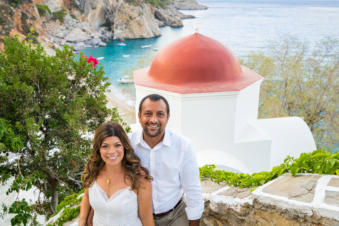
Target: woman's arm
145,203
84,209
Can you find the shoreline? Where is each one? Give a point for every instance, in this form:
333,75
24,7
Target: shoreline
124,102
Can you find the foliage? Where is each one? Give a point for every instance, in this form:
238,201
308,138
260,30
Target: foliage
116,116
59,15
15,3
318,161
43,9
67,215
8,138
49,107
73,16
70,200
159,3
22,211
300,81
70,207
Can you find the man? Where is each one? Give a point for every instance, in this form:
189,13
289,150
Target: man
171,162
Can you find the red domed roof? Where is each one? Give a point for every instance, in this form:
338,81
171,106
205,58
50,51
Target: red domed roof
195,64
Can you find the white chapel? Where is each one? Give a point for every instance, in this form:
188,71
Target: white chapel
214,102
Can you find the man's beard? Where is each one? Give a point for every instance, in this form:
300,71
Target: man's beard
147,132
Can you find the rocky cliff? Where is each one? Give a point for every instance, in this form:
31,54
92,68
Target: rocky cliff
89,23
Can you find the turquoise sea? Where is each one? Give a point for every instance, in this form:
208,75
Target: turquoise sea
242,25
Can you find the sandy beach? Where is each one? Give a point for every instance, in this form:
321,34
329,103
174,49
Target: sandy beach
124,102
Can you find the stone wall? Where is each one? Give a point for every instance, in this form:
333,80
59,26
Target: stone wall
307,199
302,200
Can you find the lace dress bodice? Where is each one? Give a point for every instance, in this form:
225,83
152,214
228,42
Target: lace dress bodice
121,209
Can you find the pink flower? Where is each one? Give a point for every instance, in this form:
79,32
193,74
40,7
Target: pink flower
91,59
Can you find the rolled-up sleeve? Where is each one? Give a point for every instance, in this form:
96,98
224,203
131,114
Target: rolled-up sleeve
190,180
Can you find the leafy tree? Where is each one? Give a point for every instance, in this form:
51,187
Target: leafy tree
302,81
49,106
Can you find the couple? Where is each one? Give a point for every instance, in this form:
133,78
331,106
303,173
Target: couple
125,179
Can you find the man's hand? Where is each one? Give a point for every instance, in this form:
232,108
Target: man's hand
194,222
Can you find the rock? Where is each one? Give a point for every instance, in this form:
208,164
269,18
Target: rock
78,46
236,192
170,16
334,182
296,188
109,19
160,23
6,19
77,35
209,187
159,16
188,5
184,16
131,22
95,41
332,198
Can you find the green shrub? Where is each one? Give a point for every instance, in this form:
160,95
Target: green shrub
71,208
159,3
73,16
59,15
67,215
43,9
70,200
318,161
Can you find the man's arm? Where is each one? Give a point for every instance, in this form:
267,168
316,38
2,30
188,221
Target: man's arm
190,181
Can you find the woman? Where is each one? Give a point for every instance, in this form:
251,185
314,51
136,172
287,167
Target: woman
116,186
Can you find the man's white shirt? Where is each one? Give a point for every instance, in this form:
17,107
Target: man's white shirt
173,166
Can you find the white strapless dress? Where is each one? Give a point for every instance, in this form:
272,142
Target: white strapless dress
121,209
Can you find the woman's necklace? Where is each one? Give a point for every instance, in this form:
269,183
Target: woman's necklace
108,180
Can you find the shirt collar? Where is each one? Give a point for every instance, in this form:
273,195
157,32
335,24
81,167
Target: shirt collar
166,141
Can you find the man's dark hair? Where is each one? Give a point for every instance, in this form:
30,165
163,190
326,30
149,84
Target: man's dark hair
154,97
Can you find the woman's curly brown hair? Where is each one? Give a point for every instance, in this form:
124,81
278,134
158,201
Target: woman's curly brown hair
130,162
